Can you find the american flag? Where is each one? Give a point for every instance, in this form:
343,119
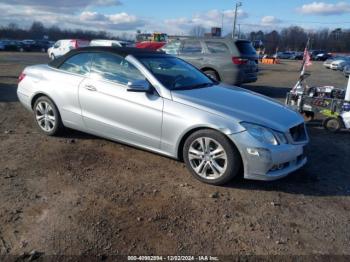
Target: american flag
306,62
307,58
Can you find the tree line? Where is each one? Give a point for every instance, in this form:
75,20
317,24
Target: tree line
38,31
294,38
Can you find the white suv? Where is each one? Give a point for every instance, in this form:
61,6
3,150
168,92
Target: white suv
62,47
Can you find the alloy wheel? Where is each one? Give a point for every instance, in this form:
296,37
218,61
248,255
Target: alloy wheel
207,157
45,116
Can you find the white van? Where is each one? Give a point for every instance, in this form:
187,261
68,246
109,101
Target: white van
61,47
103,42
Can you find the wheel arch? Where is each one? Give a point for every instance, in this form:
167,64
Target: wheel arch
207,68
40,94
189,132
36,97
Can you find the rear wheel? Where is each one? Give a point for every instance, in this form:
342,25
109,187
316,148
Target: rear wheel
211,157
332,124
212,74
47,117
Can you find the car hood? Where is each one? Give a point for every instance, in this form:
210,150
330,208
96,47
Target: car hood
240,105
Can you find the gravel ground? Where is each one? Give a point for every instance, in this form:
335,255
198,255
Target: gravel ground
82,195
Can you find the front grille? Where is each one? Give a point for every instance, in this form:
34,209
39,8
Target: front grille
298,133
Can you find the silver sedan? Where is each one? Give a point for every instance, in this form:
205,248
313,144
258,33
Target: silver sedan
163,104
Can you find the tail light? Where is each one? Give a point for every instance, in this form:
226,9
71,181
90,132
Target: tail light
21,77
75,43
239,61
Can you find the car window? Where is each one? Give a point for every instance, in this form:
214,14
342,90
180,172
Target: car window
245,48
114,68
192,47
217,47
172,48
57,44
176,74
78,64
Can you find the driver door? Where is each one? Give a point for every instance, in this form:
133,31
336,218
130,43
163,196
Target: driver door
110,110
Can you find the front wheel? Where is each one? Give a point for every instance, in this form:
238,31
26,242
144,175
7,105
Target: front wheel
211,157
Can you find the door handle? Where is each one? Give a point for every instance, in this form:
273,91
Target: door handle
90,88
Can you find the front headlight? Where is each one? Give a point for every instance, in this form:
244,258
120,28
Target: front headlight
265,135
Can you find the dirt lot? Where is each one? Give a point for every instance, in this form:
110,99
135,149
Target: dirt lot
82,195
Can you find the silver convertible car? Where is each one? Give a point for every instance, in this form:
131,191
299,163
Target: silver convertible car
163,104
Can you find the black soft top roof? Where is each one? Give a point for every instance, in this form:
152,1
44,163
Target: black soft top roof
121,51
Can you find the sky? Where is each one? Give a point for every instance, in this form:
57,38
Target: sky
175,16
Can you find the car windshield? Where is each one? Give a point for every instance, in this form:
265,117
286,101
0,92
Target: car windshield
176,74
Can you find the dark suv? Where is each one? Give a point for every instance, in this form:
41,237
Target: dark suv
232,62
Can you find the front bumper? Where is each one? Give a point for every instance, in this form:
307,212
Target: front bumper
268,162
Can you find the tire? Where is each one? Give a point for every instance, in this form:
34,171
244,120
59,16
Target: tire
47,116
332,124
212,168
212,74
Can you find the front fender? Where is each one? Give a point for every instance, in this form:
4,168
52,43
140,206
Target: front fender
180,120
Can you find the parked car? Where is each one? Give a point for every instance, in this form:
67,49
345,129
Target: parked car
163,104
62,47
9,45
323,56
339,64
284,55
297,56
36,45
315,53
328,62
103,42
232,62
346,70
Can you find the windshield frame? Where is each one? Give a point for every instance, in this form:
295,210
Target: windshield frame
211,82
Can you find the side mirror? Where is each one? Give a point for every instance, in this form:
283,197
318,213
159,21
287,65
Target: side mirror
139,86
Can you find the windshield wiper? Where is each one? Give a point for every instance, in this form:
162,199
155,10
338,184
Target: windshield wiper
202,85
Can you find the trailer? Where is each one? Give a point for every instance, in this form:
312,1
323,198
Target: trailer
333,103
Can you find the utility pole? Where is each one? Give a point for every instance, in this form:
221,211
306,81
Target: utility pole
238,4
239,31
222,22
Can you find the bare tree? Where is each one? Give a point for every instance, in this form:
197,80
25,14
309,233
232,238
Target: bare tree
197,31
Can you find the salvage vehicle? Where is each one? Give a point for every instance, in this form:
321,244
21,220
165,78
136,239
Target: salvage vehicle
232,62
153,41
339,64
62,47
163,104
